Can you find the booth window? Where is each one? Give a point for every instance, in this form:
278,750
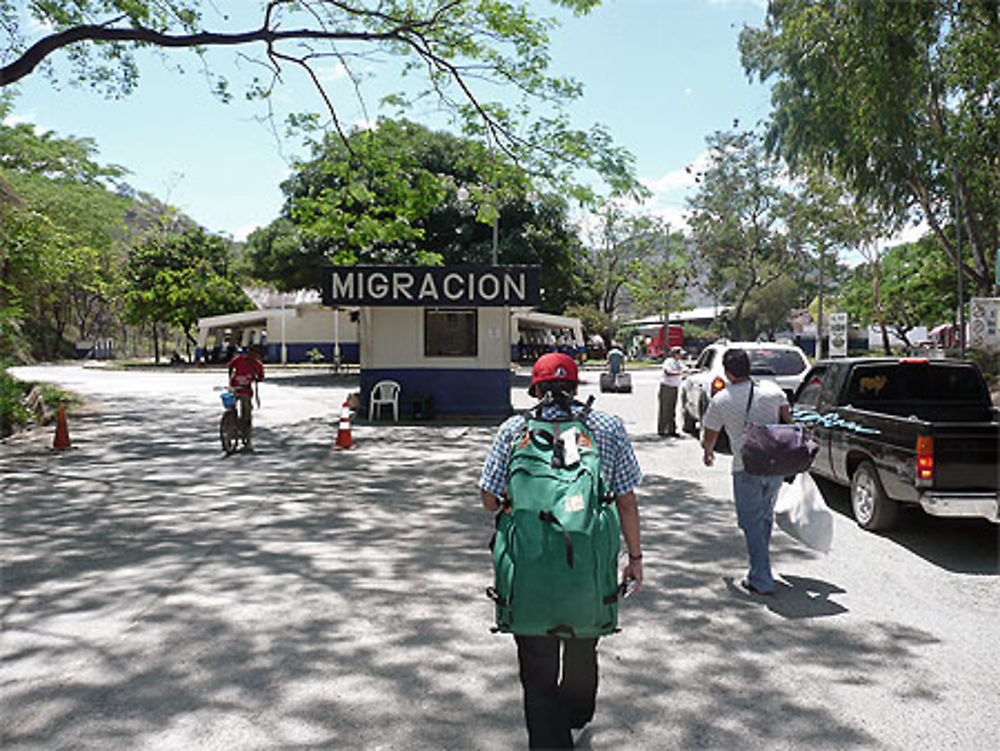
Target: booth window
451,333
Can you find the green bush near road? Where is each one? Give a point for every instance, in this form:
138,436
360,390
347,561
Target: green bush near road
13,411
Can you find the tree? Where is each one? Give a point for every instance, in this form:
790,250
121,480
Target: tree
769,307
452,47
178,278
900,99
62,233
404,194
630,260
824,218
920,280
736,219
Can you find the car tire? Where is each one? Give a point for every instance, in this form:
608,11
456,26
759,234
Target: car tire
873,509
689,424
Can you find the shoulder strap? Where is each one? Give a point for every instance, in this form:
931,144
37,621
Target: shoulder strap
749,403
536,411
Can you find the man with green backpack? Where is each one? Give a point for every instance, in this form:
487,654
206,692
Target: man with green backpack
561,479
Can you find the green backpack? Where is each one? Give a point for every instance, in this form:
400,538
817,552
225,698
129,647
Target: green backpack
555,551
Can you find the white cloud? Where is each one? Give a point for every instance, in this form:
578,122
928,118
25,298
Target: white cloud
756,3
240,234
688,91
13,120
331,73
682,178
908,234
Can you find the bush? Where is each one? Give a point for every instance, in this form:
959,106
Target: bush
989,363
13,411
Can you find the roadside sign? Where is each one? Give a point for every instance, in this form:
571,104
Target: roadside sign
837,346
984,323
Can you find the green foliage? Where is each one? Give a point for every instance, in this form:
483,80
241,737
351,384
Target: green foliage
13,410
61,237
315,356
178,278
736,220
919,280
768,307
630,262
899,98
404,194
448,52
989,363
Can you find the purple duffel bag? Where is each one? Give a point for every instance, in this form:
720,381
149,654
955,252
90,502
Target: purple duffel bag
777,450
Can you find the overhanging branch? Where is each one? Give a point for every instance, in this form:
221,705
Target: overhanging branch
34,55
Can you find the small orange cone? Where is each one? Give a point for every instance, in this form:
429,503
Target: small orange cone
344,431
62,431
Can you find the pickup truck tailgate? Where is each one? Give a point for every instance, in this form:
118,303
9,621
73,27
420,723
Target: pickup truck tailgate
966,456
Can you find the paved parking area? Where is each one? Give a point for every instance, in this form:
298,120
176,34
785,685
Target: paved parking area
157,595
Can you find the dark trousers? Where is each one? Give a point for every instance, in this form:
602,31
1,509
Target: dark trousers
556,701
665,423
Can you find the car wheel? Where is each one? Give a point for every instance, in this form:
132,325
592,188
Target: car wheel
690,424
873,509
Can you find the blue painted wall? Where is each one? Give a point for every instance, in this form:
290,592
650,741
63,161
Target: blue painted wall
350,352
455,392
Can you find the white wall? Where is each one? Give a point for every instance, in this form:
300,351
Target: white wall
311,324
394,338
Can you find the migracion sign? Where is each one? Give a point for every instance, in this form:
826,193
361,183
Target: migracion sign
428,286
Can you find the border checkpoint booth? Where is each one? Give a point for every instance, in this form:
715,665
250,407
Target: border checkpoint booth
441,332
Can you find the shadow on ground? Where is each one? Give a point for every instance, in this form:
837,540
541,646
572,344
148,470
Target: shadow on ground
158,595
965,546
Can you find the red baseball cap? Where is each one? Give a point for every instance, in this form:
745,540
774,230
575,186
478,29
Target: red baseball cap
554,366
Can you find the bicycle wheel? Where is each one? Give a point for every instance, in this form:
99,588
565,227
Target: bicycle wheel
229,431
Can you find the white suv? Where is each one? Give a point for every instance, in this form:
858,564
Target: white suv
784,364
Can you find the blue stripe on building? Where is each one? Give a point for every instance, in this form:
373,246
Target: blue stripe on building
454,391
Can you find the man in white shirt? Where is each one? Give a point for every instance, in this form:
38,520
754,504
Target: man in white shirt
670,381
732,409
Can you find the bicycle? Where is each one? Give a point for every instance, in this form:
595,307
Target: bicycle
229,426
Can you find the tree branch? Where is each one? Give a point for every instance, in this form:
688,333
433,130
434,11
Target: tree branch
34,55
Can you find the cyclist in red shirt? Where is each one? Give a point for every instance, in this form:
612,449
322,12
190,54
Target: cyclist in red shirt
244,370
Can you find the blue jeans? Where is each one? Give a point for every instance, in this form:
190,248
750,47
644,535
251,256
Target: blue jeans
755,496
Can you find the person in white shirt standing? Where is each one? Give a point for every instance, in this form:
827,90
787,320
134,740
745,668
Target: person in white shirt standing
740,403
670,382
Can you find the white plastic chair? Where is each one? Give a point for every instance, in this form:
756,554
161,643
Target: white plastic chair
384,392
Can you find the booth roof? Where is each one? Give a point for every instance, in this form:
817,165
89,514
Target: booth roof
267,297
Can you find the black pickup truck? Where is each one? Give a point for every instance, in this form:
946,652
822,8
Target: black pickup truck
904,431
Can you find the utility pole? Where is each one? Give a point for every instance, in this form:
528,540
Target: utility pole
958,255
819,318
496,208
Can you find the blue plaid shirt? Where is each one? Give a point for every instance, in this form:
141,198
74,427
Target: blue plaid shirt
619,467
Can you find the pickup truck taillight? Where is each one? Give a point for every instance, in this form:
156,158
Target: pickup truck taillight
717,385
925,458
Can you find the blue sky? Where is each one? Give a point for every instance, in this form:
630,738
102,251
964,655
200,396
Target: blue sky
660,74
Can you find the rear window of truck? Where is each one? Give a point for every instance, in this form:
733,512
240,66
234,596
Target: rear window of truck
777,362
915,382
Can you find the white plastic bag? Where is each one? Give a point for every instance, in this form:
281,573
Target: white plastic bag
801,512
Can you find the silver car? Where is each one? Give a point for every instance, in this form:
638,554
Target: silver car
785,364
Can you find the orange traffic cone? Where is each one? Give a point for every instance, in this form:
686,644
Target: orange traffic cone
62,431
344,431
